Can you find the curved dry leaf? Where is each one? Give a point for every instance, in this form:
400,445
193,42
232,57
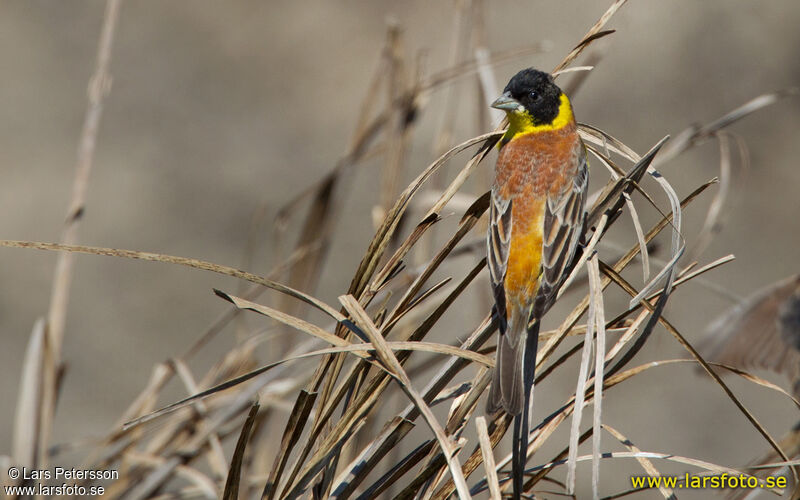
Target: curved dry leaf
488,459
622,376
591,35
231,491
181,261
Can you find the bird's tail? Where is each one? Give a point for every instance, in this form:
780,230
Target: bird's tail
512,390
514,367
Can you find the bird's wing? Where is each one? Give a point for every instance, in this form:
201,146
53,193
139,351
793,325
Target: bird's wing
563,227
499,241
763,331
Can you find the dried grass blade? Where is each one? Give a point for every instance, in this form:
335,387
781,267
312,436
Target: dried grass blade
573,317
451,392
697,272
394,430
582,45
583,375
574,69
774,465
333,445
573,86
99,87
465,172
430,471
488,459
398,471
678,282
197,397
627,336
196,441
391,363
161,469
397,133
209,392
464,405
390,321
292,321
616,379
593,33
434,317
614,171
323,215
587,252
361,351
637,225
581,330
606,141
647,465
500,426
677,246
395,262
304,272
216,456
469,67
181,261
291,434
656,311
162,373
25,444
612,195
747,108
758,380
595,288
459,44
338,433
695,135
231,491
712,224
286,319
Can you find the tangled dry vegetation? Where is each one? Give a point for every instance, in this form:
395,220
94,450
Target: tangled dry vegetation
337,442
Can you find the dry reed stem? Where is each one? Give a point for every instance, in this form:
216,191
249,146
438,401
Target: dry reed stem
99,86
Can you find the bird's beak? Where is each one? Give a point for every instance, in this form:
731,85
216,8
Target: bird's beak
506,102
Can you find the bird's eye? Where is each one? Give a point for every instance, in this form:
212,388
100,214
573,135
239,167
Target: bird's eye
534,95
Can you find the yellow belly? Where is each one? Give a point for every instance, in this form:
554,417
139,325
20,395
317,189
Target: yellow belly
525,253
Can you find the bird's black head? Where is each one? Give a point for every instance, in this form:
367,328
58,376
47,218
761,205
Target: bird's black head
535,91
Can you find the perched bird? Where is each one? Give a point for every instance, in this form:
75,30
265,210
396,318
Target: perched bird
537,215
536,221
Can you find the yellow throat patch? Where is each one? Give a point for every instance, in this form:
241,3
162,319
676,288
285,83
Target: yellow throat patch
521,122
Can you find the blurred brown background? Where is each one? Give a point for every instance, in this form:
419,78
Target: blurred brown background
220,107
